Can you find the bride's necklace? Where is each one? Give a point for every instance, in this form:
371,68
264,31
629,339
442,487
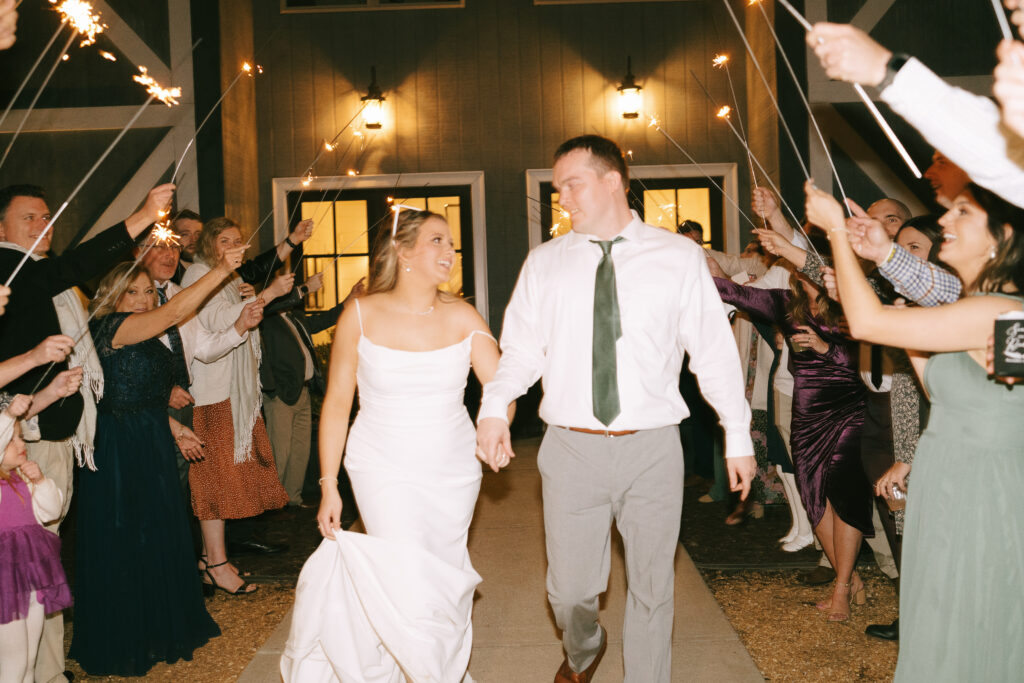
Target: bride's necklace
411,312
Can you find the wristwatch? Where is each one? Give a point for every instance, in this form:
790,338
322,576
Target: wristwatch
892,67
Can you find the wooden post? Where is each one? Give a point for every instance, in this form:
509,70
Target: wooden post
238,118
763,119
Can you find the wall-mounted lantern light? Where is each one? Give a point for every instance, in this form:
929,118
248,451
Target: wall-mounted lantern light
629,93
373,111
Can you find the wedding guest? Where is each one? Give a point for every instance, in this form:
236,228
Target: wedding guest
963,126
961,538
947,179
34,583
187,225
43,303
8,22
236,479
828,416
137,595
290,369
569,298
189,339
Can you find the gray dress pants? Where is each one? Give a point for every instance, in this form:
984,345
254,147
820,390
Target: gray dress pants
636,480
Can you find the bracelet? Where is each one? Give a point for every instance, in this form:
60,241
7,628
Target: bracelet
291,244
321,480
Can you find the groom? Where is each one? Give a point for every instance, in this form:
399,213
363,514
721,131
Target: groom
604,315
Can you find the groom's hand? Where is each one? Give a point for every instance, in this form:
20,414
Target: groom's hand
741,474
494,442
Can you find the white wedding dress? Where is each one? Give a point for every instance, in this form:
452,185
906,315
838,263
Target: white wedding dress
395,604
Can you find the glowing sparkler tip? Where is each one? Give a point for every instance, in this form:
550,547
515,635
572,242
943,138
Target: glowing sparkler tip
328,146
629,153
391,200
166,95
720,60
106,55
654,123
162,234
353,172
81,17
65,57
247,67
307,180
724,112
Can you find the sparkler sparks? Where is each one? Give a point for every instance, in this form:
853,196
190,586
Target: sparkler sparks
307,180
328,146
724,112
720,61
166,95
162,235
81,17
106,55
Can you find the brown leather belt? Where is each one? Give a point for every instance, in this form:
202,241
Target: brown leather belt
602,432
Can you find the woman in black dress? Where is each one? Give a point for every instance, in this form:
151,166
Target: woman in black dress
137,595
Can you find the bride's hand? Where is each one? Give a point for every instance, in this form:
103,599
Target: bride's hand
328,519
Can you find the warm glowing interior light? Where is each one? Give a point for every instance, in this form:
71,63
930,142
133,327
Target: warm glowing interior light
631,102
373,114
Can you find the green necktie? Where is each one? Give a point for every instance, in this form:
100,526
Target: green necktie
607,330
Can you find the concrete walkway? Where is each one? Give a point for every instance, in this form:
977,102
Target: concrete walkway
514,633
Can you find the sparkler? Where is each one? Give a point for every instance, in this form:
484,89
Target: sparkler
807,105
35,98
768,88
656,124
1004,25
166,95
80,185
80,15
872,107
723,114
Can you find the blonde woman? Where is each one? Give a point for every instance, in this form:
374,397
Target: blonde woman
397,600
236,478
137,597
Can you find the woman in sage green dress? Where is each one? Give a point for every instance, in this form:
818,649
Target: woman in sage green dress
962,597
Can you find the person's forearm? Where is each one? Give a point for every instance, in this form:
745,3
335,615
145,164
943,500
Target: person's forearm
284,250
183,304
16,366
793,254
779,224
332,437
918,280
859,301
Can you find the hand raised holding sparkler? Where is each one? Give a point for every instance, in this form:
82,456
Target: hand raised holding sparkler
848,53
152,211
8,22
1017,17
281,285
299,234
823,210
868,237
1009,85
250,317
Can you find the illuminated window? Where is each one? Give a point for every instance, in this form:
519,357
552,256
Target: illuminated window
663,202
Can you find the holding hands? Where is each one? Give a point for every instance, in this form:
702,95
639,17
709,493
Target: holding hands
494,443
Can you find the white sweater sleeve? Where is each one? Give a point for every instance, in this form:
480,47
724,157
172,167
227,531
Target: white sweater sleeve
965,127
47,501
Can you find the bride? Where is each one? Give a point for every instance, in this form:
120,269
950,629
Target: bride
394,604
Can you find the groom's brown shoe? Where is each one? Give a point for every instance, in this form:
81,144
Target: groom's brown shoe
567,675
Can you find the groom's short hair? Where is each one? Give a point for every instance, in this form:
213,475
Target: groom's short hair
606,154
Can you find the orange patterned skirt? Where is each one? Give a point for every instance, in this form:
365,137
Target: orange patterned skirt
222,489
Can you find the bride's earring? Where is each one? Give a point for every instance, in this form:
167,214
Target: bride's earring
992,254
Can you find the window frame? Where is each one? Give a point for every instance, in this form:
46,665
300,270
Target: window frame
400,183
372,6
727,171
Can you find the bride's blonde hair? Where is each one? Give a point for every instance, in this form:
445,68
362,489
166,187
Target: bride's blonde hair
384,258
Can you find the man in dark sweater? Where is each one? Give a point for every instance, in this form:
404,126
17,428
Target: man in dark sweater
42,303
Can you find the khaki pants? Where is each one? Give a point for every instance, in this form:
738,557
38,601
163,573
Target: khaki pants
56,459
589,481
290,431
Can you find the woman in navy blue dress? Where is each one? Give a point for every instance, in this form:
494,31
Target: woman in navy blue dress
137,595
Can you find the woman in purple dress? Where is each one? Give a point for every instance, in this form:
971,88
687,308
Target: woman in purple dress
828,414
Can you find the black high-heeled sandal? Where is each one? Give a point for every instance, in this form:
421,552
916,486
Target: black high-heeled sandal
211,586
202,558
